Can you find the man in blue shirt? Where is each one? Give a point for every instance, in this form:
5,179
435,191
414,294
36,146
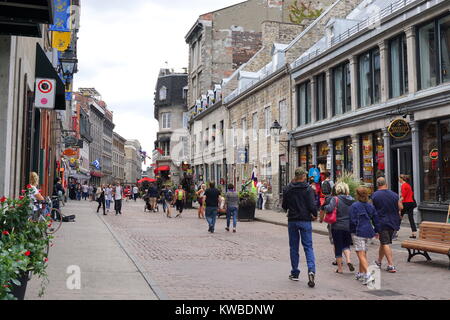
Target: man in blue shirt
314,172
388,206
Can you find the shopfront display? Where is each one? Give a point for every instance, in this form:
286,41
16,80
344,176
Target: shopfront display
435,147
343,156
372,158
305,157
323,157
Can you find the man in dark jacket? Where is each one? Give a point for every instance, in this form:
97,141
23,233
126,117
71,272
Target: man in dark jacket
298,200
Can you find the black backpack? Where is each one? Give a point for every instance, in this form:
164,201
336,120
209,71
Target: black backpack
169,195
326,187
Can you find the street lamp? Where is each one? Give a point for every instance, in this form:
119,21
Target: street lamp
275,130
68,64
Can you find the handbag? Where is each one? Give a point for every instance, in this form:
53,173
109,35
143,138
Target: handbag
331,217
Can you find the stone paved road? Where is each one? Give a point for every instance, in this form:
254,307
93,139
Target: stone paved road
186,262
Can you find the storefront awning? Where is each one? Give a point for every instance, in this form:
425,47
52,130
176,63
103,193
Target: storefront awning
44,69
162,168
25,17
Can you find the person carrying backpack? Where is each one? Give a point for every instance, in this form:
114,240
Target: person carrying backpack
180,198
167,198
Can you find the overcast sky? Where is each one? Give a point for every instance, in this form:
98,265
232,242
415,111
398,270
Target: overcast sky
121,47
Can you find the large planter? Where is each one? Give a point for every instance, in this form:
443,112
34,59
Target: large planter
246,211
19,291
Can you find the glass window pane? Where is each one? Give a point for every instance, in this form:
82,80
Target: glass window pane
367,160
348,93
430,164
321,97
339,157
394,55
427,56
302,104
338,90
376,77
308,102
349,155
444,31
364,80
404,63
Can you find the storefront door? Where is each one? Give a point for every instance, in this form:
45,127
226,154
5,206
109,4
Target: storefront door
401,164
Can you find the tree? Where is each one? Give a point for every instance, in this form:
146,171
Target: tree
299,11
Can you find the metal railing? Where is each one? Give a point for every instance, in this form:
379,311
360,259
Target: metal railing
371,22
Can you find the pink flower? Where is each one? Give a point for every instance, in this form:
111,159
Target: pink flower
45,259
29,186
21,198
27,253
3,199
6,233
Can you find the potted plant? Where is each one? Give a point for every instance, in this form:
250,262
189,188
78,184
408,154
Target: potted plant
247,205
352,182
24,246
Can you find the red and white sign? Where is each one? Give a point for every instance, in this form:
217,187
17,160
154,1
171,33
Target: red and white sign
45,93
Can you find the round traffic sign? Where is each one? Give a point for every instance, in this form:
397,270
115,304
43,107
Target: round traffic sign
45,86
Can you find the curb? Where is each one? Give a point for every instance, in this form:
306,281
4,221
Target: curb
284,224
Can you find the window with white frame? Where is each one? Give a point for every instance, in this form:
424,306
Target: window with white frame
166,120
233,133
221,133
244,130
162,93
267,120
283,115
255,126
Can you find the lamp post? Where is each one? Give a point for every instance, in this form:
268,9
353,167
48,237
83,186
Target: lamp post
275,130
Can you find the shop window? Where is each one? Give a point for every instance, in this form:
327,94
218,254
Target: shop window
398,67
304,103
341,89
343,156
305,157
321,104
434,52
372,158
323,160
436,160
369,78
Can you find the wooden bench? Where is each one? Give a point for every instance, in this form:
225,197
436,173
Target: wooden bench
433,237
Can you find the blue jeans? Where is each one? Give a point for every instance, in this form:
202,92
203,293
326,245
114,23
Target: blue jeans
303,230
108,204
232,211
211,215
342,240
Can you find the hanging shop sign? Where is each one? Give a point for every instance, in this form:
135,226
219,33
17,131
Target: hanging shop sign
69,152
399,129
434,154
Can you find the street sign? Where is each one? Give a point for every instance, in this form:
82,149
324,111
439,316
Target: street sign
45,93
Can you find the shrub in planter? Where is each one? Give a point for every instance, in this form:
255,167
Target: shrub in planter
247,205
352,182
23,244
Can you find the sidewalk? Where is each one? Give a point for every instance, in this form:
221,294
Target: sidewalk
279,218
107,273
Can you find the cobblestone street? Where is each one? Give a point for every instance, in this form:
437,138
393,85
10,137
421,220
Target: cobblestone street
181,260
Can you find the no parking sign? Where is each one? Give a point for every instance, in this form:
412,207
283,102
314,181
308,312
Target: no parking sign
45,93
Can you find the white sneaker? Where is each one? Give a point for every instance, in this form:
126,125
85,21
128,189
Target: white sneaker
368,278
359,276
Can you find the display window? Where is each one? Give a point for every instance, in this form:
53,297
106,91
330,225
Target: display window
305,157
343,156
372,158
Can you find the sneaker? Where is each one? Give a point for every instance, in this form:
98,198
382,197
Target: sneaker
359,276
293,277
378,264
234,230
228,229
368,278
391,269
311,276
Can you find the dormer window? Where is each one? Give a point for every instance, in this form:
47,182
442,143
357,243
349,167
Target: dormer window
163,93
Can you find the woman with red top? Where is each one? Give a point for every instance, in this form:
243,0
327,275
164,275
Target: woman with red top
407,198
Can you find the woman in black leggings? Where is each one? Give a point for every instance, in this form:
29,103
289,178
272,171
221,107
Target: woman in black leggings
407,199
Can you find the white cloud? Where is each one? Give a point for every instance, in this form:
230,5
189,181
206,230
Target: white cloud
123,44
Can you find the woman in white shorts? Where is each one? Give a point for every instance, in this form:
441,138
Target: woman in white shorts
363,227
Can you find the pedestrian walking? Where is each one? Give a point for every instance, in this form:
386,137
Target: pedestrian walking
201,201
364,226
212,205
259,185
117,195
153,196
298,200
166,198
85,191
388,206
264,190
340,230
180,198
101,198
91,192
407,199
78,190
135,193
108,197
232,205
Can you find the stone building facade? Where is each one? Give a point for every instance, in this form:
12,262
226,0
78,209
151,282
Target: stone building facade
133,161
107,153
118,160
172,143
222,40
383,107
